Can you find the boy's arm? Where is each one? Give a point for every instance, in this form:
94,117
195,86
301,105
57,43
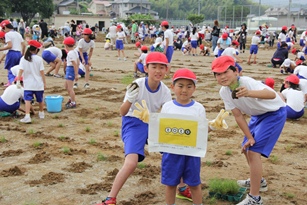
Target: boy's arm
90,56
2,57
23,48
124,108
76,68
261,94
8,46
43,77
81,54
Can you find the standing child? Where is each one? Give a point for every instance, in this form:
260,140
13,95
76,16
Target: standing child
32,69
254,47
233,52
120,36
194,39
140,64
72,63
86,44
15,46
134,131
268,116
168,45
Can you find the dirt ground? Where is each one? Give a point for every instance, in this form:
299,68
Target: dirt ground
72,157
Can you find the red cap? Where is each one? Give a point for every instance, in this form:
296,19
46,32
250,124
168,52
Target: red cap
236,43
69,41
4,23
293,50
226,26
164,23
306,33
222,63
156,57
224,36
144,48
184,73
138,44
118,26
87,31
2,34
35,43
293,79
269,82
201,46
284,28
298,62
16,78
258,32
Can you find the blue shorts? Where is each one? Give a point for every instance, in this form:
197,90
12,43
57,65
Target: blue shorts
70,73
85,56
176,166
194,44
169,53
12,58
8,108
253,49
301,77
266,129
292,114
152,48
140,67
10,76
134,136
28,95
305,52
119,45
239,67
302,44
302,58
48,56
220,51
81,72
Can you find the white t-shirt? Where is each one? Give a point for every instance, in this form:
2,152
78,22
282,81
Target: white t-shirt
294,98
255,40
143,58
32,79
185,44
303,85
56,51
224,43
232,52
85,46
194,37
15,70
154,98
299,55
301,70
168,34
251,106
120,35
72,56
282,37
16,40
12,94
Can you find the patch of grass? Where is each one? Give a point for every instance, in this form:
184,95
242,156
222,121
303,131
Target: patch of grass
87,129
109,124
209,137
116,133
213,200
37,144
127,79
92,141
31,131
101,157
61,137
228,152
3,139
289,195
208,163
289,148
61,125
141,165
223,186
55,117
66,150
274,159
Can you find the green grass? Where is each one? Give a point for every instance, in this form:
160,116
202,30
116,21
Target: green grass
223,186
213,201
208,163
61,125
289,148
109,124
31,131
274,159
66,150
37,144
116,133
141,165
92,141
62,137
228,152
127,79
289,195
55,117
3,140
87,129
101,157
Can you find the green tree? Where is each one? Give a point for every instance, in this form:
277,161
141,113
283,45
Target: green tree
5,9
147,19
195,19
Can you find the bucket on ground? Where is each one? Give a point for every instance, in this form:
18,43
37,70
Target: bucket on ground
54,103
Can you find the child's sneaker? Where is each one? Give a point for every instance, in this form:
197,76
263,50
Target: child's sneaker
118,59
41,115
75,85
125,59
26,120
68,102
246,184
87,85
250,201
108,201
184,193
57,76
71,105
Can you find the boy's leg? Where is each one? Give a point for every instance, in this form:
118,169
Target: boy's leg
70,89
170,193
255,58
255,164
196,194
87,73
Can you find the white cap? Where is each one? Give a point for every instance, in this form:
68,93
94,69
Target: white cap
287,62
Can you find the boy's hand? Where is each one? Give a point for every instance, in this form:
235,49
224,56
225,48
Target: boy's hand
142,113
18,85
132,92
219,122
248,144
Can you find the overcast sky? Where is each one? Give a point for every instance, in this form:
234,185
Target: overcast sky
280,2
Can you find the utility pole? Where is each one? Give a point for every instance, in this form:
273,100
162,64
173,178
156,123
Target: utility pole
198,13
289,12
259,7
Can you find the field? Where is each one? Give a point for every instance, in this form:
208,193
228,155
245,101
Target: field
72,157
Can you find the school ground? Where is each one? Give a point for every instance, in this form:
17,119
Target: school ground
72,157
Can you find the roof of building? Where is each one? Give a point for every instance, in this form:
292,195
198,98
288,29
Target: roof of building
131,1
137,9
66,2
106,3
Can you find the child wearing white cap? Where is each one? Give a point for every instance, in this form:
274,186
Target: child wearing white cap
287,66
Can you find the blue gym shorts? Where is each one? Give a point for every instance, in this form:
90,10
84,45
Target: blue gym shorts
266,129
81,72
253,49
28,95
12,58
302,44
292,114
119,45
238,66
85,56
70,73
48,56
169,53
140,67
8,108
174,166
134,136
194,44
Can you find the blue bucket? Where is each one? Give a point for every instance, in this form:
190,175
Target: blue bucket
54,103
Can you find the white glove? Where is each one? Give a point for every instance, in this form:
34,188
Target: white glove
142,113
132,92
219,122
18,85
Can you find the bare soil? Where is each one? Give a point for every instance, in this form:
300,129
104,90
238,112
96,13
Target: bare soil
72,157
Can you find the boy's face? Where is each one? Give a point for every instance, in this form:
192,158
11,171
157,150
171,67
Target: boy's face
183,89
226,78
156,71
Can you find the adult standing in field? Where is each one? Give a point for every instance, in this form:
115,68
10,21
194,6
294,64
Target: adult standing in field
168,45
22,28
113,32
215,33
242,37
44,27
134,29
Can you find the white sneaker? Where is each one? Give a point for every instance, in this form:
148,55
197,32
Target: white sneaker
26,120
118,59
250,201
41,115
125,59
75,85
246,184
87,85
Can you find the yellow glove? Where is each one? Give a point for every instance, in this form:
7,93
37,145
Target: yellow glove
142,113
219,122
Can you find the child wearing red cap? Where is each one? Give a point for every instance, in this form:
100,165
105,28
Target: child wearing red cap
120,37
32,69
233,52
294,97
303,39
269,82
168,44
72,66
204,50
85,50
268,116
300,70
282,37
141,62
298,54
223,43
135,131
254,47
